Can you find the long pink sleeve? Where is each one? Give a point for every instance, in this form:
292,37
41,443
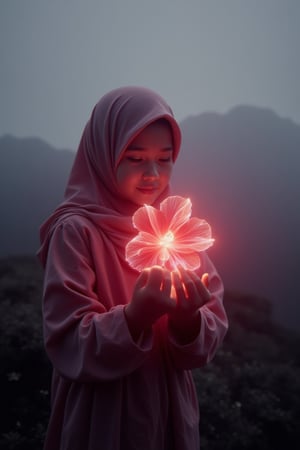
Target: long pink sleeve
86,337
98,367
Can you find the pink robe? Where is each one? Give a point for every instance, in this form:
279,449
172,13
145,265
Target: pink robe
110,392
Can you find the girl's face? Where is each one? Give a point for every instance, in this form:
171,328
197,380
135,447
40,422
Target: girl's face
146,165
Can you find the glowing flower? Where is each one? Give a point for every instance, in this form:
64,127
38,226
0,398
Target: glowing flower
168,236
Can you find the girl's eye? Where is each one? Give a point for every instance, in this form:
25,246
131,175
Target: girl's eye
134,159
163,160
139,159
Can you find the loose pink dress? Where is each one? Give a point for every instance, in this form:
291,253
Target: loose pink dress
108,391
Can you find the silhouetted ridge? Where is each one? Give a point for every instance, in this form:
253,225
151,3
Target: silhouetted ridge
32,183
241,170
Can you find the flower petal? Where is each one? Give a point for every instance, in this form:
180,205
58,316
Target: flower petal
177,211
145,239
143,251
143,258
168,237
149,219
189,261
196,234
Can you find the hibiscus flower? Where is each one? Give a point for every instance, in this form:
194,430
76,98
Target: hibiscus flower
168,236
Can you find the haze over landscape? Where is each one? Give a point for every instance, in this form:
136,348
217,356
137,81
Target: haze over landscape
58,58
231,72
241,171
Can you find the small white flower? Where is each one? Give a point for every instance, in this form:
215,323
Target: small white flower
13,376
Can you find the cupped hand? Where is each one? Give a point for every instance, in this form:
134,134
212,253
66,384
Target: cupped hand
191,290
150,300
191,294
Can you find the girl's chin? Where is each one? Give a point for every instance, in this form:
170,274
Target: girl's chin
146,198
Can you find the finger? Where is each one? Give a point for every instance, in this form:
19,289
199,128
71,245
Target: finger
179,289
155,277
166,283
204,279
142,279
188,281
201,286
182,301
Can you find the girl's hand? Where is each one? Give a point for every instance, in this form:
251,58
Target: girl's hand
150,300
191,294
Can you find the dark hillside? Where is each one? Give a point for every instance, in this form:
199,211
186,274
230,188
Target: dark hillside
241,170
32,183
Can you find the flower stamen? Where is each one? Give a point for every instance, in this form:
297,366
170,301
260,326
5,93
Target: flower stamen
165,242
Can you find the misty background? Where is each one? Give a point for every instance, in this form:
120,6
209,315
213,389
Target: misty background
230,70
58,58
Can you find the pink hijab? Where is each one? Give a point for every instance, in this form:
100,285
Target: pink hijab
91,191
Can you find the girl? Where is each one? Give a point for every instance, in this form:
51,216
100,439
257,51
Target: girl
121,347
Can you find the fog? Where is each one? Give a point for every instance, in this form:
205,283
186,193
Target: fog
58,58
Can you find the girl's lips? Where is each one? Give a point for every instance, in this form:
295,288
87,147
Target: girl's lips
147,190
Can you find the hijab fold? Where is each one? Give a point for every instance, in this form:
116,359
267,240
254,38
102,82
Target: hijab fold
91,190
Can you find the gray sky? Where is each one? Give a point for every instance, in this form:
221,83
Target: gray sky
58,57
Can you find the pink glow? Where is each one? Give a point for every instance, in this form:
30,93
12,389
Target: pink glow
168,237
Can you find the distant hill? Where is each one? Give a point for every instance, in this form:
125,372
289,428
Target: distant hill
242,172
32,183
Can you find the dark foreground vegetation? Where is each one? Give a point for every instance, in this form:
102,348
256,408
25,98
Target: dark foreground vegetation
249,395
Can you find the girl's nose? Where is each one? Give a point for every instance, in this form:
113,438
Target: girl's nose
151,171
